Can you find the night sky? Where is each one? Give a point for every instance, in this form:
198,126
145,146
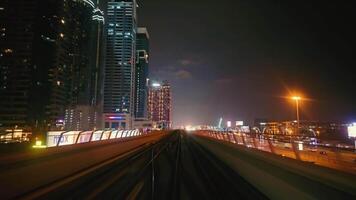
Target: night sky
237,59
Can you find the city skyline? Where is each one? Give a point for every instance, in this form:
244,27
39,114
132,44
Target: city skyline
261,51
266,59
134,99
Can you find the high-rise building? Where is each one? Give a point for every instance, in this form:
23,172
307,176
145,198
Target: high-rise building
160,104
16,47
141,72
119,71
46,63
84,109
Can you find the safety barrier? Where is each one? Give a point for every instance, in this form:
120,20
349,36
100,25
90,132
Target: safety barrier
61,138
332,158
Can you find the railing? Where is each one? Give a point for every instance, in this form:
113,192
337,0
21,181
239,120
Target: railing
329,157
61,138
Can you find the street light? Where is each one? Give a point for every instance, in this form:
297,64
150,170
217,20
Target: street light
297,99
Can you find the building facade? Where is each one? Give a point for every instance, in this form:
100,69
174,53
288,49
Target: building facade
141,72
160,104
46,64
119,71
16,62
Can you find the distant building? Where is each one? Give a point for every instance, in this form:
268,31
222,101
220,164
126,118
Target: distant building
141,72
160,104
119,71
48,56
142,123
81,117
326,130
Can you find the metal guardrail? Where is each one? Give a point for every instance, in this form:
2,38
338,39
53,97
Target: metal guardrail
328,157
62,138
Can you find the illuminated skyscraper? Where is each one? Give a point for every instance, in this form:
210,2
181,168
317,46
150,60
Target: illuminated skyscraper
46,60
119,71
160,104
83,112
141,72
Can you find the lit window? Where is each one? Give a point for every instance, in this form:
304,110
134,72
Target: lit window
8,51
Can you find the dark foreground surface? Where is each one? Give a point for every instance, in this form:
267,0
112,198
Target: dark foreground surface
180,165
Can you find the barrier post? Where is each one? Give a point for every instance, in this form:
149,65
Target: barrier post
296,151
236,141
255,143
271,147
243,139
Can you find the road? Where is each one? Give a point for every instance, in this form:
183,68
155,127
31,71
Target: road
175,165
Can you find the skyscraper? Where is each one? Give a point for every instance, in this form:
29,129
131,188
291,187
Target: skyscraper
119,71
16,43
83,112
141,72
160,104
45,60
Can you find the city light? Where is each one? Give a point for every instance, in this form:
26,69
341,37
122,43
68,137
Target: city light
8,51
156,85
115,117
189,128
91,3
352,130
297,98
239,123
300,146
39,145
228,123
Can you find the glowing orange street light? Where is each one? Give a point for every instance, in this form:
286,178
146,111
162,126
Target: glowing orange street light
297,99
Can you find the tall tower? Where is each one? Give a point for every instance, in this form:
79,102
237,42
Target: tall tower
17,19
119,71
44,60
83,112
160,104
141,72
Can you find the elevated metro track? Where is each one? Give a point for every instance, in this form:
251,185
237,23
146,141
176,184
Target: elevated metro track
177,165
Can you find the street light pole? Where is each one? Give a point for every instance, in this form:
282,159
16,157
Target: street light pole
297,107
297,98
